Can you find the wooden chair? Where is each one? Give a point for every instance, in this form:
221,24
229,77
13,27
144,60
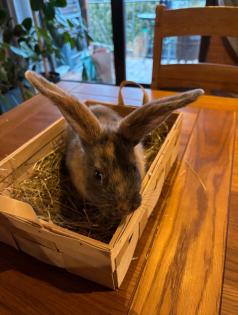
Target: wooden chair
206,21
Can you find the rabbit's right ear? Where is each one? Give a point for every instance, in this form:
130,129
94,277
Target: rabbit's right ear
78,115
149,116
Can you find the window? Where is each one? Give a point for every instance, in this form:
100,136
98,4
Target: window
93,60
139,18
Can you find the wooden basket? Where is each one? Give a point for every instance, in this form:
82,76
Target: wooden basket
103,263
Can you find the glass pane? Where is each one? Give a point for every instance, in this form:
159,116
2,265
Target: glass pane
139,21
100,28
88,22
182,49
93,61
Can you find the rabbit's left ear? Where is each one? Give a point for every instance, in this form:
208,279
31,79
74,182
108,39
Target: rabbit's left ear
148,117
78,115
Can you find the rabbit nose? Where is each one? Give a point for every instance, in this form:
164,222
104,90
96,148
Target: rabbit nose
127,206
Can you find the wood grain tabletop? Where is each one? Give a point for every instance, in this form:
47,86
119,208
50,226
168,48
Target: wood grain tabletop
187,259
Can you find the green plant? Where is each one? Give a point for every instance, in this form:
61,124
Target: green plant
37,41
12,67
73,32
43,13
50,32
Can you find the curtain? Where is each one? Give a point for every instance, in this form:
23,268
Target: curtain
232,40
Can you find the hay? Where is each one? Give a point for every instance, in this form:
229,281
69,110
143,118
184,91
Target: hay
51,194
153,142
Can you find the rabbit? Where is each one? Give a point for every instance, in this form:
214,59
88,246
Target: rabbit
104,152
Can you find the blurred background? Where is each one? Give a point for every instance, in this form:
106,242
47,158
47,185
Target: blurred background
95,41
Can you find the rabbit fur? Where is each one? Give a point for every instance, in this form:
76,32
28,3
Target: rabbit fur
104,154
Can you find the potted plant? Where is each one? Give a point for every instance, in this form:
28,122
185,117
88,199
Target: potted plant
13,87
43,13
51,32
36,44
69,33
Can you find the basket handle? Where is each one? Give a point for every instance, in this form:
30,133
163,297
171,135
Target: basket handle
125,83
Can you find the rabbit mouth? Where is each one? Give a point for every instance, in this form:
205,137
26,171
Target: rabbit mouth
118,210
126,208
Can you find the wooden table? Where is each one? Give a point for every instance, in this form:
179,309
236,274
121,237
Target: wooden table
187,259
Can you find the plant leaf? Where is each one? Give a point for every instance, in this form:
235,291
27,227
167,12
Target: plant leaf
3,74
49,10
3,16
20,52
27,23
21,39
18,30
60,3
66,37
37,49
89,37
36,5
70,23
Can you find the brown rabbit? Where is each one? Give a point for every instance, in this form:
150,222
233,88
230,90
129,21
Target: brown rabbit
104,154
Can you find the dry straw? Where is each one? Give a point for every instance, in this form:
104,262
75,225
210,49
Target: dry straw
50,192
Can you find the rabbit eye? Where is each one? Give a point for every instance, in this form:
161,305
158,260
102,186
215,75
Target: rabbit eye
98,175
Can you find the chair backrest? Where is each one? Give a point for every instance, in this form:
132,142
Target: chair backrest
206,21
